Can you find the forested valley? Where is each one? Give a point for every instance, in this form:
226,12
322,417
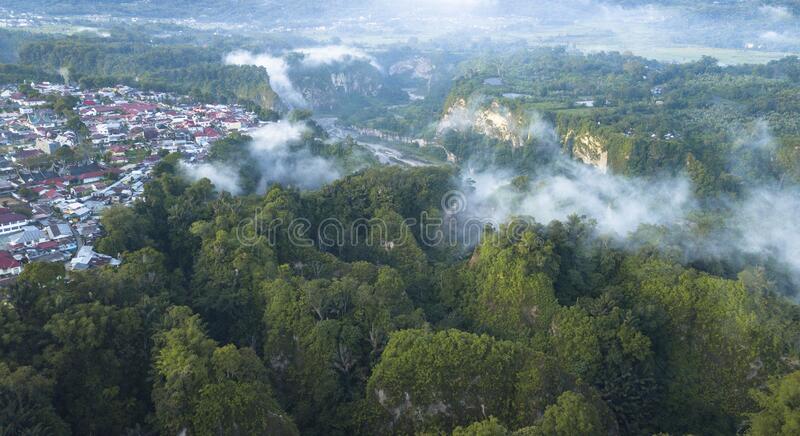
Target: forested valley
560,243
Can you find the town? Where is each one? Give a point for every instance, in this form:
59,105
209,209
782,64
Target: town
66,154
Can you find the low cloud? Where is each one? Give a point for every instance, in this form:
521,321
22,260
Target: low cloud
619,205
312,57
566,187
754,227
776,13
223,177
763,221
444,8
281,158
461,116
278,71
331,54
778,38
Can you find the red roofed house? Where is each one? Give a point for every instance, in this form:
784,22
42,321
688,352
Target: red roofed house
206,136
8,265
47,245
51,194
138,107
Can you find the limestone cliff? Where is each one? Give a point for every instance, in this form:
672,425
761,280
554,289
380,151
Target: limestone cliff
344,86
418,67
587,148
494,120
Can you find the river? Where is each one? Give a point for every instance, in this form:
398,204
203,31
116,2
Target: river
385,153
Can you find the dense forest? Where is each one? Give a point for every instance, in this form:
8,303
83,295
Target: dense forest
180,68
210,326
356,90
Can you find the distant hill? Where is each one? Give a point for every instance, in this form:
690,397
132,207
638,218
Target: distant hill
211,10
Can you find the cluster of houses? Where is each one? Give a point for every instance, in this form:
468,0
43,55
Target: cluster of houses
45,237
50,206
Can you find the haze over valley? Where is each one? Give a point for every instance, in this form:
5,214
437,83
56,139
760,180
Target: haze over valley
346,217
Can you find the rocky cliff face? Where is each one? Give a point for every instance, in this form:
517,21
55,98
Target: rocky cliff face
355,84
338,86
588,149
494,121
344,86
418,67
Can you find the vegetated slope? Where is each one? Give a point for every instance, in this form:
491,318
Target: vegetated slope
184,69
635,116
540,324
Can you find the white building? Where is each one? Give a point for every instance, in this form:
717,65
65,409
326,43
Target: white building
12,222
